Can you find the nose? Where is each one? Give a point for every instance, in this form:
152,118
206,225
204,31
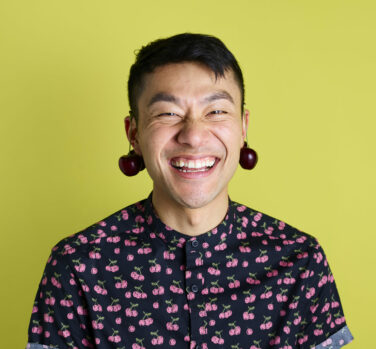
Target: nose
193,133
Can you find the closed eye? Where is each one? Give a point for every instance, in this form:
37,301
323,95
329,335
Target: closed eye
216,112
168,114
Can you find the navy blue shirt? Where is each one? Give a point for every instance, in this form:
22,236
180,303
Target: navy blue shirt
130,281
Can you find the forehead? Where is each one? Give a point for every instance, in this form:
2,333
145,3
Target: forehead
187,81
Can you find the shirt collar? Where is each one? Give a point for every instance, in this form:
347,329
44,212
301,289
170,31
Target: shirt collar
216,236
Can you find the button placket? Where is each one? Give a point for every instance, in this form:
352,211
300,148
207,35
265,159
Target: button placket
195,243
194,288
194,285
193,251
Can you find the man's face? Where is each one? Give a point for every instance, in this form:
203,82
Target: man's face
189,132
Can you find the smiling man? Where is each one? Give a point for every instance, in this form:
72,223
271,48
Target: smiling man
187,267
189,133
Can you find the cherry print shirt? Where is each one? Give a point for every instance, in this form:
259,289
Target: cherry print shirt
129,281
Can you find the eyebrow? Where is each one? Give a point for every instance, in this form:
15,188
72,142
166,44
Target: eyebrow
166,97
222,94
163,97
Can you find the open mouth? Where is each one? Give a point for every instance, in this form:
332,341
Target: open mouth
194,166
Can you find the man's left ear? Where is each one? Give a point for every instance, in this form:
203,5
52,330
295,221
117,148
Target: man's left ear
248,156
245,121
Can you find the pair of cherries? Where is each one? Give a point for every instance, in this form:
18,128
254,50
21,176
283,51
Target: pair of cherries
132,163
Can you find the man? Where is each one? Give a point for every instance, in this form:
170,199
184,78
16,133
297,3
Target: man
187,267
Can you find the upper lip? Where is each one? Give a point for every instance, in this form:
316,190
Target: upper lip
193,157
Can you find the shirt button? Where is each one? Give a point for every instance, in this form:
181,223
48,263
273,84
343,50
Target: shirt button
194,288
194,243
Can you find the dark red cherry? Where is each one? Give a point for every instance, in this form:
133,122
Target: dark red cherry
248,157
131,164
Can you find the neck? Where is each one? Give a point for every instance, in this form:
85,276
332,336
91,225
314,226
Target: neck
191,221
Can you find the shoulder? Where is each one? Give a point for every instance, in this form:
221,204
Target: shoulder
257,224
98,234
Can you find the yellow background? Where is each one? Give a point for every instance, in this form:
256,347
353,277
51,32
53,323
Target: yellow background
309,69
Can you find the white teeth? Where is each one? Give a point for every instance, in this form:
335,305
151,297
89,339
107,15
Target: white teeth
195,170
194,164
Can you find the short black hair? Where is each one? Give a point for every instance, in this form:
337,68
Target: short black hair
186,47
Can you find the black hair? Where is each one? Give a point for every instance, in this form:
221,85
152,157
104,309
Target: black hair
186,47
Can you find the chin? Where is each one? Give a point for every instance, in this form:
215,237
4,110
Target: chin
195,201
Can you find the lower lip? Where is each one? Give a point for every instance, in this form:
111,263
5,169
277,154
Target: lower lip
196,174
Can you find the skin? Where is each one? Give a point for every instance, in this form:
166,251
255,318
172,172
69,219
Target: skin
186,113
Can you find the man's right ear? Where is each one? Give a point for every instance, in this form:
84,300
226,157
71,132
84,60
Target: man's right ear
131,131
132,163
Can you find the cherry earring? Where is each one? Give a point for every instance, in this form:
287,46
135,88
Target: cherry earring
131,164
248,157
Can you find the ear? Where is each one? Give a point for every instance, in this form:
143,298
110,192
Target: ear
245,121
132,133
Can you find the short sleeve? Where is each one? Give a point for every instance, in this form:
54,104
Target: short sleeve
59,315
324,324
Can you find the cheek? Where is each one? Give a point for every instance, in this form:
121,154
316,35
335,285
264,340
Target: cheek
230,136
154,141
